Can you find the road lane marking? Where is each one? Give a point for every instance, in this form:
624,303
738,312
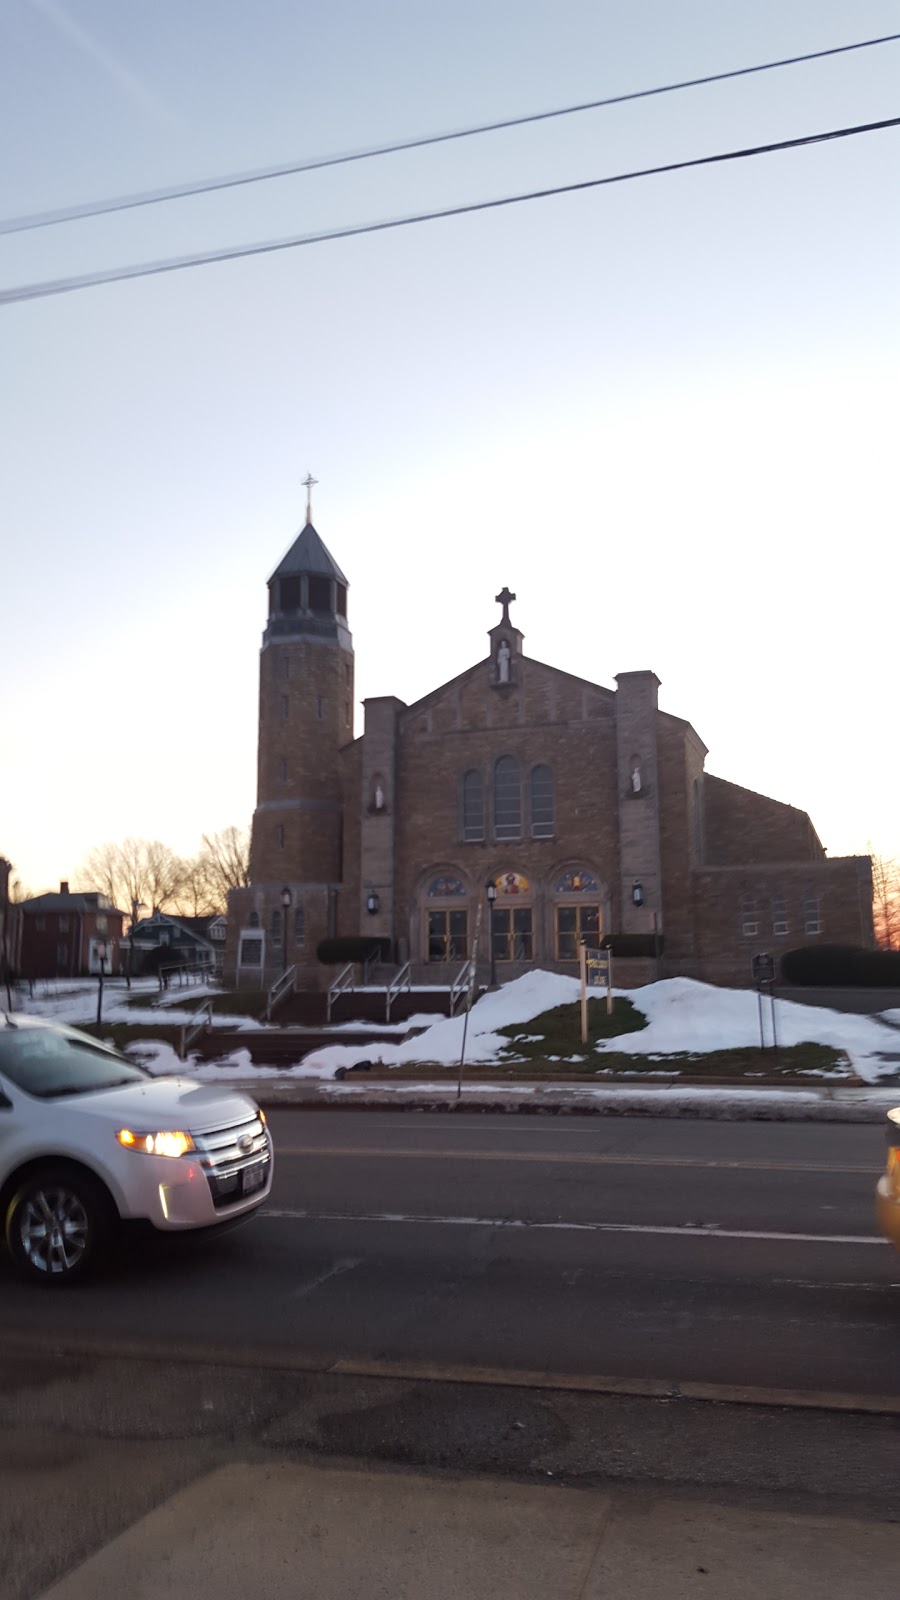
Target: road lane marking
336,1270
676,1230
577,1158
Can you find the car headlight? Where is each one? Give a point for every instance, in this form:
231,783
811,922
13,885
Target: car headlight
156,1144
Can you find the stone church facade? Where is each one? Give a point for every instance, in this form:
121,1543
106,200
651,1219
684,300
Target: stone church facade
588,810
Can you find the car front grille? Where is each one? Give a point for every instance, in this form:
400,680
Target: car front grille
231,1156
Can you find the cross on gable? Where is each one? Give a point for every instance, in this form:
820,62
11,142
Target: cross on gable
503,599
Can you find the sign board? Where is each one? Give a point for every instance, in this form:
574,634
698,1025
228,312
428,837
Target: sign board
596,972
598,965
763,969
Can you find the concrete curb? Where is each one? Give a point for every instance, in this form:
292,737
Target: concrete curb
722,1105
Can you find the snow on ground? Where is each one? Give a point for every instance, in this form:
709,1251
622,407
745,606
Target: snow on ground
75,1003
683,1015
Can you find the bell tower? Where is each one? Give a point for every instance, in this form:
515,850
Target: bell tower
305,717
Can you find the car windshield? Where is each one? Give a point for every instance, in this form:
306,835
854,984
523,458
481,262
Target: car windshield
51,1062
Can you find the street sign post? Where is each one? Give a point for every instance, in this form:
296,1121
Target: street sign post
762,967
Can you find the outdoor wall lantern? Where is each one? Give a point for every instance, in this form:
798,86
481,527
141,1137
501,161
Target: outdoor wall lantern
491,891
287,898
637,893
373,904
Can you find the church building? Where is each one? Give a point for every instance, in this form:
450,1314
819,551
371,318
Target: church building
517,797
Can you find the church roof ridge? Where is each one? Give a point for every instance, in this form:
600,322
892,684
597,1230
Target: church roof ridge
309,554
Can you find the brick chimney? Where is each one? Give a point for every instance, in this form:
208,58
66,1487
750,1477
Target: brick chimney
64,886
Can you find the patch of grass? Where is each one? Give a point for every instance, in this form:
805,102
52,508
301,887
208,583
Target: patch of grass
801,1063
558,1032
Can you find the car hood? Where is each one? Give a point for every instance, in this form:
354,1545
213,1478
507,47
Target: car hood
162,1103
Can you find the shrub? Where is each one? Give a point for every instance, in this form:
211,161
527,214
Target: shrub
841,966
335,952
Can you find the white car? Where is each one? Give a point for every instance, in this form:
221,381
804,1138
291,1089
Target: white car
89,1139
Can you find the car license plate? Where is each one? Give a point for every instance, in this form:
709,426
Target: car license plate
254,1177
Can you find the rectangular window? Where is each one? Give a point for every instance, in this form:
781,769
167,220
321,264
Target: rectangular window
320,708
276,923
507,799
279,836
473,806
251,951
282,770
541,803
63,924
448,935
749,917
812,913
62,954
285,707
285,664
299,927
574,924
290,594
347,712
320,595
779,916
341,600
101,924
511,932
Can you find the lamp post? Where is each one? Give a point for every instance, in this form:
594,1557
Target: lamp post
491,892
100,948
287,900
136,907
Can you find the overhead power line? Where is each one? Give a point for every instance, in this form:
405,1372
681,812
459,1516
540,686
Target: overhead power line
180,191
87,280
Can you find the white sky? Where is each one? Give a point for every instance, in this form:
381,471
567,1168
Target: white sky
664,413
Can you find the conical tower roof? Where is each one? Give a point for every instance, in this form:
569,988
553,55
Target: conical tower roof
310,556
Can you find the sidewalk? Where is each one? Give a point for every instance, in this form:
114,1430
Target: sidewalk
294,1532
822,1103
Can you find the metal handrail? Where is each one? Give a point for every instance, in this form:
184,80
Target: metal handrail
400,981
184,969
460,984
283,985
192,1030
342,983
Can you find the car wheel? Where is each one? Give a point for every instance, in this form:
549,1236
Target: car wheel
57,1226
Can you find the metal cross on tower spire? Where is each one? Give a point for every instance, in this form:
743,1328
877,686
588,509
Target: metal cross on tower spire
309,483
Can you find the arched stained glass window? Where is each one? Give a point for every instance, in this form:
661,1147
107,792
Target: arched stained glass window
472,805
542,819
507,799
577,883
446,887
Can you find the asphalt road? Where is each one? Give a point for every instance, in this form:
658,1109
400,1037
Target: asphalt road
724,1253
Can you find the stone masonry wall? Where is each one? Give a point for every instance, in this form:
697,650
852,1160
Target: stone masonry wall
739,826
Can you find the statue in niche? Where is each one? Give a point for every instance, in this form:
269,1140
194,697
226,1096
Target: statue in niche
636,784
503,660
379,797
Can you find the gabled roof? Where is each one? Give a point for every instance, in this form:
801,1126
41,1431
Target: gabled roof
308,554
71,902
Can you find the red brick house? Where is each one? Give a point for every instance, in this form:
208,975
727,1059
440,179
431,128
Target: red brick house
61,934
588,809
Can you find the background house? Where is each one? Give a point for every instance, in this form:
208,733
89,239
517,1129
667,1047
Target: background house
164,939
62,933
10,925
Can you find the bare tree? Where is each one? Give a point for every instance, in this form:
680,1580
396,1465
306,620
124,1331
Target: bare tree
225,859
886,900
135,872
